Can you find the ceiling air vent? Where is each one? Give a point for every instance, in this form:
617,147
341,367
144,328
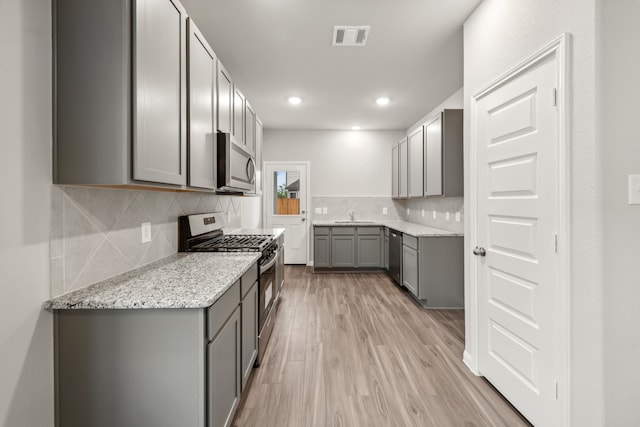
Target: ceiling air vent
344,35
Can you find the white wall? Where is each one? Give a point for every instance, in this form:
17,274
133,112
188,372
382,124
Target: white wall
498,35
343,163
621,149
455,100
26,345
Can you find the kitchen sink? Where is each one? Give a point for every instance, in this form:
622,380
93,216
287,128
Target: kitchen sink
355,221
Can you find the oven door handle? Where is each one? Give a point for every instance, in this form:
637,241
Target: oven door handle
264,268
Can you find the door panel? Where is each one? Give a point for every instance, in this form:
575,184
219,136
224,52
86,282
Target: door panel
517,129
286,207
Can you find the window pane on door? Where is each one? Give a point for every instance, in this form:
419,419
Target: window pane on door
286,193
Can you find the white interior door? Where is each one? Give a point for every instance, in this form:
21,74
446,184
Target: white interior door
286,207
516,129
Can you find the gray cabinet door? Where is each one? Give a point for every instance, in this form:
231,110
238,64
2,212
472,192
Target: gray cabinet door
249,128
224,100
415,162
322,251
202,92
249,312
433,158
403,170
368,251
343,251
395,173
159,146
386,251
224,363
238,117
410,269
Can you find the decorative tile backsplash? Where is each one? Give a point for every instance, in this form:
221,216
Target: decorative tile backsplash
96,232
338,207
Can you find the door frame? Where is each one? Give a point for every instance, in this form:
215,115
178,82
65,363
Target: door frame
267,192
560,49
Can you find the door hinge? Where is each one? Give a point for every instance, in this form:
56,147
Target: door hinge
555,242
554,97
556,386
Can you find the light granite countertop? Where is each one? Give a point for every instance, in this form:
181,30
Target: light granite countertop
413,229
183,280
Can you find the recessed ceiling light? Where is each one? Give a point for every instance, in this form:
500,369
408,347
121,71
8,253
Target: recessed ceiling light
356,127
383,100
294,100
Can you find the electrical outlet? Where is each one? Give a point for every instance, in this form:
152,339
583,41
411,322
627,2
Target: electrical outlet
324,210
422,213
434,214
318,211
457,216
446,215
145,232
384,211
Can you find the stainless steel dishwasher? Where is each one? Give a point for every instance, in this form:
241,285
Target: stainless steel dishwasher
395,256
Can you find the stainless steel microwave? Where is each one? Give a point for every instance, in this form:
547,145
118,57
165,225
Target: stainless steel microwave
236,167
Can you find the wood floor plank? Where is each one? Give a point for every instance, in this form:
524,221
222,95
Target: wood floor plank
355,350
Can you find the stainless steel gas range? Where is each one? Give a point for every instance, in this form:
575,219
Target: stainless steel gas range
207,233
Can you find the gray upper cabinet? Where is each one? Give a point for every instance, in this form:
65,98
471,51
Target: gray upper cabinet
238,117
249,128
443,156
395,174
225,100
160,92
403,191
415,172
120,93
202,95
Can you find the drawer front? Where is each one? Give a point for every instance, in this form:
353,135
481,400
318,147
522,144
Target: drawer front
321,231
410,241
343,231
368,231
219,312
248,279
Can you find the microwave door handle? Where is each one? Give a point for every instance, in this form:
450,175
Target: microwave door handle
251,170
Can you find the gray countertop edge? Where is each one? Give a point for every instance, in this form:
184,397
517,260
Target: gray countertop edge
182,280
411,228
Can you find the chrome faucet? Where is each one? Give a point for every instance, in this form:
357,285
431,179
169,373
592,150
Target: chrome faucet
351,215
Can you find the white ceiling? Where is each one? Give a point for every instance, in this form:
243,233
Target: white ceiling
278,48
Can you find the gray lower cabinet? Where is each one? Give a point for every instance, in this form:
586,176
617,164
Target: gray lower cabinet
346,247
322,247
410,268
224,362
249,317
386,248
343,251
368,247
156,367
433,270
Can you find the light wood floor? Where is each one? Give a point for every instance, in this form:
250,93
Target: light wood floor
354,350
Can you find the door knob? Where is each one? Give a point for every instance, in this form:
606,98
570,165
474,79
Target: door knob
304,219
479,251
